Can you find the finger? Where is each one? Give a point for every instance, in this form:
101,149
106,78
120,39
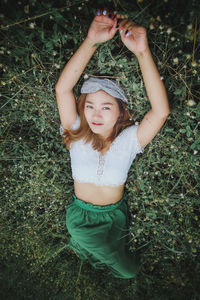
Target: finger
126,24
123,25
99,12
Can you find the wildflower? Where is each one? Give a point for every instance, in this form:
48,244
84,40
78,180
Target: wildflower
57,66
194,64
191,103
161,78
188,56
86,76
32,25
151,26
169,31
3,83
189,27
195,152
172,38
79,8
175,60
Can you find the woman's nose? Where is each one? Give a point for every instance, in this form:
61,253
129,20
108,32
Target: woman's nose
97,113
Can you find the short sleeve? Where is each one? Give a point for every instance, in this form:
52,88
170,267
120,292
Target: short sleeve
134,142
73,127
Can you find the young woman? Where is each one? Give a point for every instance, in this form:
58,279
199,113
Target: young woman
103,142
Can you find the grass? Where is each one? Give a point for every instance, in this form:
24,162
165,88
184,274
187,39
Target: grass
163,184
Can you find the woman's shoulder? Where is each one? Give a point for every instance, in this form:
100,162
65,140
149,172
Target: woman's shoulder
129,135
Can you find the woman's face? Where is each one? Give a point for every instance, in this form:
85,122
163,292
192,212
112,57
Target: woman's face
101,112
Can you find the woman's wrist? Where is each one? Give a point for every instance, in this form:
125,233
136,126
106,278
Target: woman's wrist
91,43
143,54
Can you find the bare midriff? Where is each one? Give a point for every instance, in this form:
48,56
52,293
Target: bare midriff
98,195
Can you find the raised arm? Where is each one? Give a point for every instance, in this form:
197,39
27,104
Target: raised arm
101,30
136,41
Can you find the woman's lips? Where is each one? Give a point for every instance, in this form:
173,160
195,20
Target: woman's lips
97,124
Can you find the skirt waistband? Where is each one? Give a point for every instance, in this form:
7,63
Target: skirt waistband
97,208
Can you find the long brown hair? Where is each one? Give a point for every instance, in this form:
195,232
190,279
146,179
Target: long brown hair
84,131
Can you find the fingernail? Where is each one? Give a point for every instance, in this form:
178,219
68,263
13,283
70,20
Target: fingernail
98,13
104,12
110,16
121,31
127,33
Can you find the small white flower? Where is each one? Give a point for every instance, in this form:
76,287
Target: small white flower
172,38
151,26
161,78
194,64
79,8
86,76
191,103
189,27
175,60
32,25
54,53
169,31
57,66
195,152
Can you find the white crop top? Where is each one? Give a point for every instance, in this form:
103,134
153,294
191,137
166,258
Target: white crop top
89,165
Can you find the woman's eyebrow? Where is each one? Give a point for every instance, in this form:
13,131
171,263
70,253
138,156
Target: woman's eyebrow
105,103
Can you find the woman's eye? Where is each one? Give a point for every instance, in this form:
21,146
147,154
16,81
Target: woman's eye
106,108
89,106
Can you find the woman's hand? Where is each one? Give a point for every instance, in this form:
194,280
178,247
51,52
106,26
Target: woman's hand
103,27
133,36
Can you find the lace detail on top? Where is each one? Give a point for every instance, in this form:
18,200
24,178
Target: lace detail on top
111,169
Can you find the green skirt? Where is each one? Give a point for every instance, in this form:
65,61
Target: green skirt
100,236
